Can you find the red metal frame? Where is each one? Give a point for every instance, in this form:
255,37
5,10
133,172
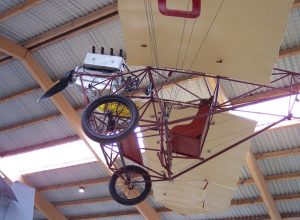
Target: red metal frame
194,13
157,79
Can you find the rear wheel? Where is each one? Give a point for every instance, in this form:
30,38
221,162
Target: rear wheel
109,118
130,185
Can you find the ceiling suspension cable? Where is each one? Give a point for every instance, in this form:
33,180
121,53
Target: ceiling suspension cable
176,90
206,35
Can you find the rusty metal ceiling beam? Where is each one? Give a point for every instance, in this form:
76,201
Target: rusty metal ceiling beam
18,9
262,185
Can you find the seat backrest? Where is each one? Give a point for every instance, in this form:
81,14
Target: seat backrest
196,127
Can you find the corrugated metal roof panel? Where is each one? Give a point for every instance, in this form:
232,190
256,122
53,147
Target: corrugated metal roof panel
14,78
234,211
70,194
233,89
45,131
246,191
80,172
245,174
65,55
122,217
280,165
292,33
284,187
176,216
37,215
95,208
25,108
246,210
277,139
47,16
6,4
290,206
291,63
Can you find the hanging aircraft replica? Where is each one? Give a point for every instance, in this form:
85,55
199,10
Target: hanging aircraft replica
181,53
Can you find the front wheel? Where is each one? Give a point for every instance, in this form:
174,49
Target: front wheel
130,185
109,118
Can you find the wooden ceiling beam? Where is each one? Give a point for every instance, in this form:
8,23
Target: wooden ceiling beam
113,214
41,203
279,153
289,52
266,95
82,202
102,180
47,208
85,201
19,94
18,9
69,113
84,23
282,177
296,4
295,196
33,121
93,19
262,186
9,47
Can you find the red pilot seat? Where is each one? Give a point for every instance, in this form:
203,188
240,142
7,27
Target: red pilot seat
131,149
188,139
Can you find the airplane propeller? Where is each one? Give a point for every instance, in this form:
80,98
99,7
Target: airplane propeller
58,86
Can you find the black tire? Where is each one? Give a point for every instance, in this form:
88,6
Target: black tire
139,189
95,122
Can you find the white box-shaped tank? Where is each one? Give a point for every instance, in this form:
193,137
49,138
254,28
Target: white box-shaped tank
103,62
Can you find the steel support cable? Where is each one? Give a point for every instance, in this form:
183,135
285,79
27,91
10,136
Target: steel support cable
201,44
206,35
152,35
177,89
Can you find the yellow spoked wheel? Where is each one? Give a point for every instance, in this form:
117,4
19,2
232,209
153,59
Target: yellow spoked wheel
110,118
